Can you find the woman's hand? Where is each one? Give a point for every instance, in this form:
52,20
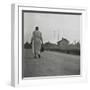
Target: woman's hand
31,43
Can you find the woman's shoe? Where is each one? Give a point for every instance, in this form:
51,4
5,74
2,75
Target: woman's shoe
39,56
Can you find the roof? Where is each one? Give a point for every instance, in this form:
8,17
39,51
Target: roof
63,39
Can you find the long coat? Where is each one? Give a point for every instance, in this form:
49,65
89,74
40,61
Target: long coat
36,42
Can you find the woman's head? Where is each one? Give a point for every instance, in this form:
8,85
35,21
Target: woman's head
37,28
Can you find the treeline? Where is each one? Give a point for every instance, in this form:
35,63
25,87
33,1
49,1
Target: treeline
27,45
69,49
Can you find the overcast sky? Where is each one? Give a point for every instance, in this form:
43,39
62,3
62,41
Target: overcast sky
52,26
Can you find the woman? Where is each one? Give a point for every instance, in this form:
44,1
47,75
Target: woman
36,41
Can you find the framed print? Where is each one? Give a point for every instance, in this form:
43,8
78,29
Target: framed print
47,43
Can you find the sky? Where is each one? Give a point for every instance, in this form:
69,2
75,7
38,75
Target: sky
52,26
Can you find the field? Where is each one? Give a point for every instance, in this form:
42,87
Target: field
50,64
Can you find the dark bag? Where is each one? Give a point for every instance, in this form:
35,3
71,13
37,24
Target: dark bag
42,48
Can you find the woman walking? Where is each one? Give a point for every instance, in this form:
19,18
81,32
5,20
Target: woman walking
36,41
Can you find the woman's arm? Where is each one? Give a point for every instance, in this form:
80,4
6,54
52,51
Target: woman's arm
41,38
32,38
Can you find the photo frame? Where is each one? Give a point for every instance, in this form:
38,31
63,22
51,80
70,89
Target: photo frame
17,43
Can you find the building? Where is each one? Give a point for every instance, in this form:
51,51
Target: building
49,45
63,44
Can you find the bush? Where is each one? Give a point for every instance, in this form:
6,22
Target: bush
72,51
27,45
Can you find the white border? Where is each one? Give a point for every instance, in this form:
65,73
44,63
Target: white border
17,47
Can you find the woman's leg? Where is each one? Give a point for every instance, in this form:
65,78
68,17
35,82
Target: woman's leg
39,54
33,49
37,47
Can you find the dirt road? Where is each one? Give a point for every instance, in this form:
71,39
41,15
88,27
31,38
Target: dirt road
50,64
